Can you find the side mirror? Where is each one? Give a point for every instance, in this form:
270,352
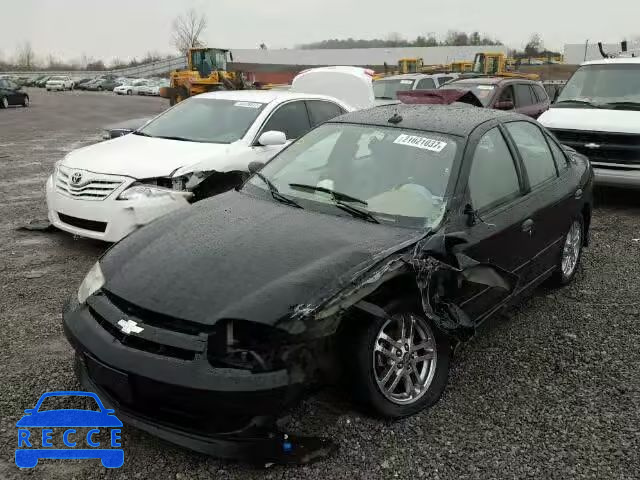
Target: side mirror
272,137
504,105
255,166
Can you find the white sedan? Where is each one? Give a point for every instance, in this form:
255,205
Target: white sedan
59,83
201,147
131,87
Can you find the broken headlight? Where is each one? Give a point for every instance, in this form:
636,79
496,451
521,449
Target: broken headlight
138,192
248,346
93,281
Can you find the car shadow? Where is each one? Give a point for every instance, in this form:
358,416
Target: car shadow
616,198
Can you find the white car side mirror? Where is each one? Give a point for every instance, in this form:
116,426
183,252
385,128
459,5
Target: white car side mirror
272,137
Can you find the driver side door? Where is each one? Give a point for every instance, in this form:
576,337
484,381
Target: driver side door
498,234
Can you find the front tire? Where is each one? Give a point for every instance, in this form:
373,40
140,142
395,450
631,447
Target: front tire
401,363
129,92
25,101
570,255
4,103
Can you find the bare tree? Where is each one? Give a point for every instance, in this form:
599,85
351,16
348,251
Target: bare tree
25,56
187,29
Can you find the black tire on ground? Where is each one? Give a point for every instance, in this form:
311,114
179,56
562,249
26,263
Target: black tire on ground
25,101
4,103
559,277
129,92
363,375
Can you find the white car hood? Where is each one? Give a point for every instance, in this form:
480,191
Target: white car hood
594,119
143,157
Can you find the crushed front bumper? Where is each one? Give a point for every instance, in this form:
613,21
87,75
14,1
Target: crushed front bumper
223,412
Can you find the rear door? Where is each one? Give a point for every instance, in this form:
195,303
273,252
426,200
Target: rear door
549,196
498,236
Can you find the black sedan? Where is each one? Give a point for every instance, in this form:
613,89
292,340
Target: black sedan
366,251
12,94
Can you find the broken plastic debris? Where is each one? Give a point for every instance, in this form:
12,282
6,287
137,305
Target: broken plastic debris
38,226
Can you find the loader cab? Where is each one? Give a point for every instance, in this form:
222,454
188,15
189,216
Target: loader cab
489,64
410,65
207,60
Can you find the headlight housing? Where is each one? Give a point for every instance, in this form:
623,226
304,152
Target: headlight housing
93,282
138,192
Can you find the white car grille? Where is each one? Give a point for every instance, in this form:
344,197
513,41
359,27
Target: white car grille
86,185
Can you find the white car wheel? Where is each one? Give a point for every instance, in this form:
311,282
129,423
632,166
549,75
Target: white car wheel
4,103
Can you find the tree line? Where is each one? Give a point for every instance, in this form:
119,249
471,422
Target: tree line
453,38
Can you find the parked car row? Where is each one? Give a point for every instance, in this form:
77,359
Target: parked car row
330,238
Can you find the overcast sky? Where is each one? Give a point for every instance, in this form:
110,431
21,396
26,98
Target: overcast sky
127,28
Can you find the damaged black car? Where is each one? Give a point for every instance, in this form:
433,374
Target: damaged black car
368,249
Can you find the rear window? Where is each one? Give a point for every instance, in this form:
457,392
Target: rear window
426,84
524,95
484,92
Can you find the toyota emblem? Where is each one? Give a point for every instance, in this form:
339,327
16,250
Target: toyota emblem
76,178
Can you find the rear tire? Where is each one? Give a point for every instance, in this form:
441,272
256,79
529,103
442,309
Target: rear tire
379,360
570,255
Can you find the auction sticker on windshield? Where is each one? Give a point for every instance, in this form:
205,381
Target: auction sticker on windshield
247,104
420,142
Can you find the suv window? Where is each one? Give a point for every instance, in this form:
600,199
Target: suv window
524,95
507,95
493,179
534,150
426,84
443,80
291,118
321,111
541,93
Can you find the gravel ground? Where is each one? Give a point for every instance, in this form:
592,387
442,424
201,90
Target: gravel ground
549,390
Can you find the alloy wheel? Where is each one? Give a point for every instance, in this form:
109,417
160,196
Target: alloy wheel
5,102
404,358
571,250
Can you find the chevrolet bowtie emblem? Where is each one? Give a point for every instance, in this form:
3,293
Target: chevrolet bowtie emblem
129,326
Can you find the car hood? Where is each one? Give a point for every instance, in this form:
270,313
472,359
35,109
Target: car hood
144,157
235,256
594,119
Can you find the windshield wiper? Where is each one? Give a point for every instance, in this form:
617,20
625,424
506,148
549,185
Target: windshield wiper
621,105
180,139
339,199
333,193
384,98
580,102
142,134
275,193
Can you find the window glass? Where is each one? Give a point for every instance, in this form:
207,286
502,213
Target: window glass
443,80
541,93
524,95
558,154
291,118
388,89
534,150
493,179
320,111
507,95
426,84
400,176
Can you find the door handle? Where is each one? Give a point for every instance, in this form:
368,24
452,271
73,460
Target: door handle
527,226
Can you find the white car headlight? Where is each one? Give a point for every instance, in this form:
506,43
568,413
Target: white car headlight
138,192
91,283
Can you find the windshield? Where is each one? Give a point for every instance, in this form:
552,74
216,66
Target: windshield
483,92
399,176
57,78
599,85
205,120
388,89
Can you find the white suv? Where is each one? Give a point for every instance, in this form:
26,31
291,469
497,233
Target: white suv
598,114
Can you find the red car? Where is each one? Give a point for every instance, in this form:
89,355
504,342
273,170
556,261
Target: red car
505,93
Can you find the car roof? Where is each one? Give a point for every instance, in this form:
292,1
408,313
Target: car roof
458,120
491,80
416,76
621,60
263,96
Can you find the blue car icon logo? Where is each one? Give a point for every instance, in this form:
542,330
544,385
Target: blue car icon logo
42,433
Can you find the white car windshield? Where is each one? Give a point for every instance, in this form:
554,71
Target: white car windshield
396,175
616,85
205,120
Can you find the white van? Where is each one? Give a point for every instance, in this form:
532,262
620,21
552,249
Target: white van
598,114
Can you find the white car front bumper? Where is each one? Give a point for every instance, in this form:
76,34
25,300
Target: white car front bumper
55,87
109,220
